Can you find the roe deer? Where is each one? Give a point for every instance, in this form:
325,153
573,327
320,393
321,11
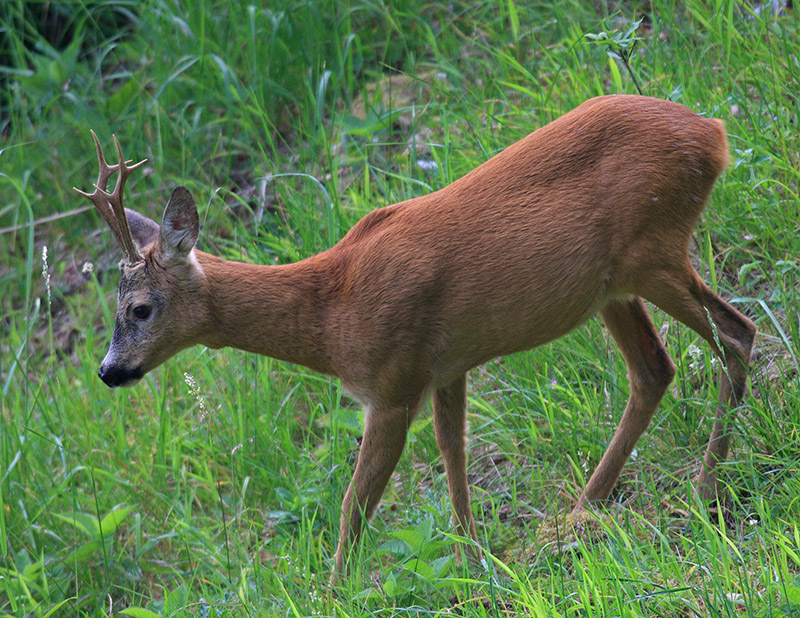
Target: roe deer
590,214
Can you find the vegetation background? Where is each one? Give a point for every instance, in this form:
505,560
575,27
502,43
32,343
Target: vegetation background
213,487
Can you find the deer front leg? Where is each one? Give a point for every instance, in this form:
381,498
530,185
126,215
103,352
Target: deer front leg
381,447
449,420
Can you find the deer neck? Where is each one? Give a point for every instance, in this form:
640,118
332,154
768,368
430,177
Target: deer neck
275,311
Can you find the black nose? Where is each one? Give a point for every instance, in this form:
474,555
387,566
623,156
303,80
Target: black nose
118,376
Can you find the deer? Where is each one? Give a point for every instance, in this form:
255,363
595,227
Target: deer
590,214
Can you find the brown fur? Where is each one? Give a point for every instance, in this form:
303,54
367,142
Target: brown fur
587,215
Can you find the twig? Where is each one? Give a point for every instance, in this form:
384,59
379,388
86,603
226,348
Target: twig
48,219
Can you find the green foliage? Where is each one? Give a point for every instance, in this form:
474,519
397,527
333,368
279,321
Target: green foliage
620,47
213,488
425,560
34,585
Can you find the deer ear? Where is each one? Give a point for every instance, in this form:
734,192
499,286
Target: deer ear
143,229
180,224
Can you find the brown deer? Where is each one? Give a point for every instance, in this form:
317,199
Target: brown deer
589,214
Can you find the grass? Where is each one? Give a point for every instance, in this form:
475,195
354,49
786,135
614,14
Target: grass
213,487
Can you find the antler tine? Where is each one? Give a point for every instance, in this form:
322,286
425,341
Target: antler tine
97,198
105,170
115,199
109,205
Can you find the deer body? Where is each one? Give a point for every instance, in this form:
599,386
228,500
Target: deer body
587,215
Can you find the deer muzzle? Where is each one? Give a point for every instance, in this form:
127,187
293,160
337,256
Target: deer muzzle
116,375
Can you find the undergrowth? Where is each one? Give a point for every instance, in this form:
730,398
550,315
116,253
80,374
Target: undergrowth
213,488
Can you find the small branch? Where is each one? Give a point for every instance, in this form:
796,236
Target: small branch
624,58
48,219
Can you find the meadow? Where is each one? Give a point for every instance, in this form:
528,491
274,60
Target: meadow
212,489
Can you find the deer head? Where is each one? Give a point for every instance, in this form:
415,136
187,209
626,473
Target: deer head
159,276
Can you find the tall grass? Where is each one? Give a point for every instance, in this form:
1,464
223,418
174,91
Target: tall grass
213,488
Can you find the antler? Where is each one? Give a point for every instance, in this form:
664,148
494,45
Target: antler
109,205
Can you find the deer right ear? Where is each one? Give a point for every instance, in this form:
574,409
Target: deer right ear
143,229
180,224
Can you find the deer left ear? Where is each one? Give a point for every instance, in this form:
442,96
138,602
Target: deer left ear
180,224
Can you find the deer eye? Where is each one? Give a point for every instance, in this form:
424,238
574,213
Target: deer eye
142,312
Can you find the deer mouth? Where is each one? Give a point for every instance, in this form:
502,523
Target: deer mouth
120,376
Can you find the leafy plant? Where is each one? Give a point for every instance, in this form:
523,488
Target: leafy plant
620,46
425,559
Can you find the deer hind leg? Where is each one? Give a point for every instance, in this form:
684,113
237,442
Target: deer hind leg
449,420
692,302
650,371
384,438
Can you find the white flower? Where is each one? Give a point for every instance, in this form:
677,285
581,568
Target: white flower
194,391
46,273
